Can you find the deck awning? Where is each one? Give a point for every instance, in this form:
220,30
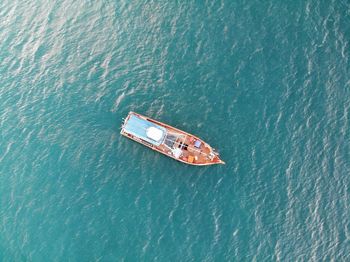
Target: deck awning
146,130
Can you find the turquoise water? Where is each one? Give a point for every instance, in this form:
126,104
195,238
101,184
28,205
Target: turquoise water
267,83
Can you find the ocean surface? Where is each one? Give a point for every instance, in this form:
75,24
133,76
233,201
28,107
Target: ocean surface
267,83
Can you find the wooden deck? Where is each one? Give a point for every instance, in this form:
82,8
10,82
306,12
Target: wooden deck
189,151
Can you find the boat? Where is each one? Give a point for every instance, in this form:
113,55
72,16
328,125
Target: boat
168,140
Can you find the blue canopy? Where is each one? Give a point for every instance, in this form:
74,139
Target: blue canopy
138,127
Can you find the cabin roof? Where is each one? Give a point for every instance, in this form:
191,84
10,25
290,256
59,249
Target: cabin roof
145,130
154,133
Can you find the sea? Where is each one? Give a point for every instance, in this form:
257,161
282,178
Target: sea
266,83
